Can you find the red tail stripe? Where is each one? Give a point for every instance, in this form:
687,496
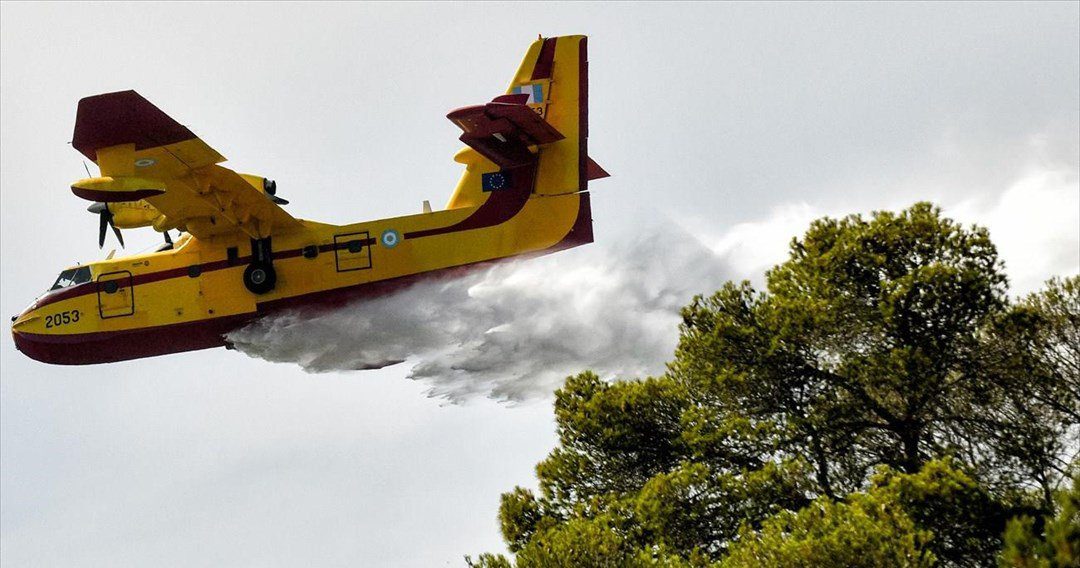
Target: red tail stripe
500,206
546,61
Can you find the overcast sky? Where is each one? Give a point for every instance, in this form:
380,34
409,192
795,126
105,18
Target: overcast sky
736,122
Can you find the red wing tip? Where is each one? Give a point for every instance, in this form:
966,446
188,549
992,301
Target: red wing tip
115,94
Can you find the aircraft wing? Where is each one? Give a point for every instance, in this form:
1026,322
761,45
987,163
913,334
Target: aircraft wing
145,154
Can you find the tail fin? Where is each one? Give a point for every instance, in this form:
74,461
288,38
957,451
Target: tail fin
552,81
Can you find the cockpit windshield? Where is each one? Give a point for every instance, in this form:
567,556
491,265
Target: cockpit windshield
71,277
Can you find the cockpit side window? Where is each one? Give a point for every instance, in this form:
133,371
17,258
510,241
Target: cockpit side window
82,275
72,277
64,280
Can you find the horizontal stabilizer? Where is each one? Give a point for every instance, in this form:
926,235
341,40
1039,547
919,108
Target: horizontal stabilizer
503,130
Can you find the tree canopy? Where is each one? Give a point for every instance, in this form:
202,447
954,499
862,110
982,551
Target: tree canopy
882,402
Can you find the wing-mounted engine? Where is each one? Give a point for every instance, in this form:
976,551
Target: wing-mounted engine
146,157
506,131
127,215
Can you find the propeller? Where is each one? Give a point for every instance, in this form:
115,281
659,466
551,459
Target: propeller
270,187
106,220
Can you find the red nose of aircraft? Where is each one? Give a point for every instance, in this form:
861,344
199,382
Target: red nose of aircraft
57,349
23,342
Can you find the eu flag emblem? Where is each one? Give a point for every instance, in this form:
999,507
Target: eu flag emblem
495,181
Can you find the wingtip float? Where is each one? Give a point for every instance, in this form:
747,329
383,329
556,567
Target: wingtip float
241,255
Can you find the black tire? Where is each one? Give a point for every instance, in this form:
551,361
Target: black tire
260,278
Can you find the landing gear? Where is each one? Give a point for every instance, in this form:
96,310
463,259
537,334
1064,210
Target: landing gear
259,276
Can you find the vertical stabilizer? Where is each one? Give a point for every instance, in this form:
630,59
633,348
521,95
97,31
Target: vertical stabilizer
553,83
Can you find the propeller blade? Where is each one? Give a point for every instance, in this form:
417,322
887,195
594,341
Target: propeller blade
103,217
270,189
116,231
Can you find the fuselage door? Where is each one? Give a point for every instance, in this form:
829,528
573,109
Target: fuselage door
352,251
116,294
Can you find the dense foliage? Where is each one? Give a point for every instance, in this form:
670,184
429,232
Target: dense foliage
1059,541
882,403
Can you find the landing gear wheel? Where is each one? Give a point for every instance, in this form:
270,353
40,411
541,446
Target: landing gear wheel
259,278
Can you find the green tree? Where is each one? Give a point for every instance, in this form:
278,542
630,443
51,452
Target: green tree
1059,544
868,529
881,342
1031,356
865,347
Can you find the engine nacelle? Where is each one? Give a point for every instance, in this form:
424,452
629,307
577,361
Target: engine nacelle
133,214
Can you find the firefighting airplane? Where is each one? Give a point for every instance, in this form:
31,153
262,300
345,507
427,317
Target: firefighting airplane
240,255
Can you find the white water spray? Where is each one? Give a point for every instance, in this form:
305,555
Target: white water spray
514,330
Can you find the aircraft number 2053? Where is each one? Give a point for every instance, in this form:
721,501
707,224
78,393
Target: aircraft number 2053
61,318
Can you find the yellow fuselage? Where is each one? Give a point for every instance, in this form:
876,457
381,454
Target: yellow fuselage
187,297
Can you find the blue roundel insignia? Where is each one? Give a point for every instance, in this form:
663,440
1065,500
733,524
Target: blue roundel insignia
390,238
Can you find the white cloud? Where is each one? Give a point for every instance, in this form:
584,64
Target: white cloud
1035,223
755,246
